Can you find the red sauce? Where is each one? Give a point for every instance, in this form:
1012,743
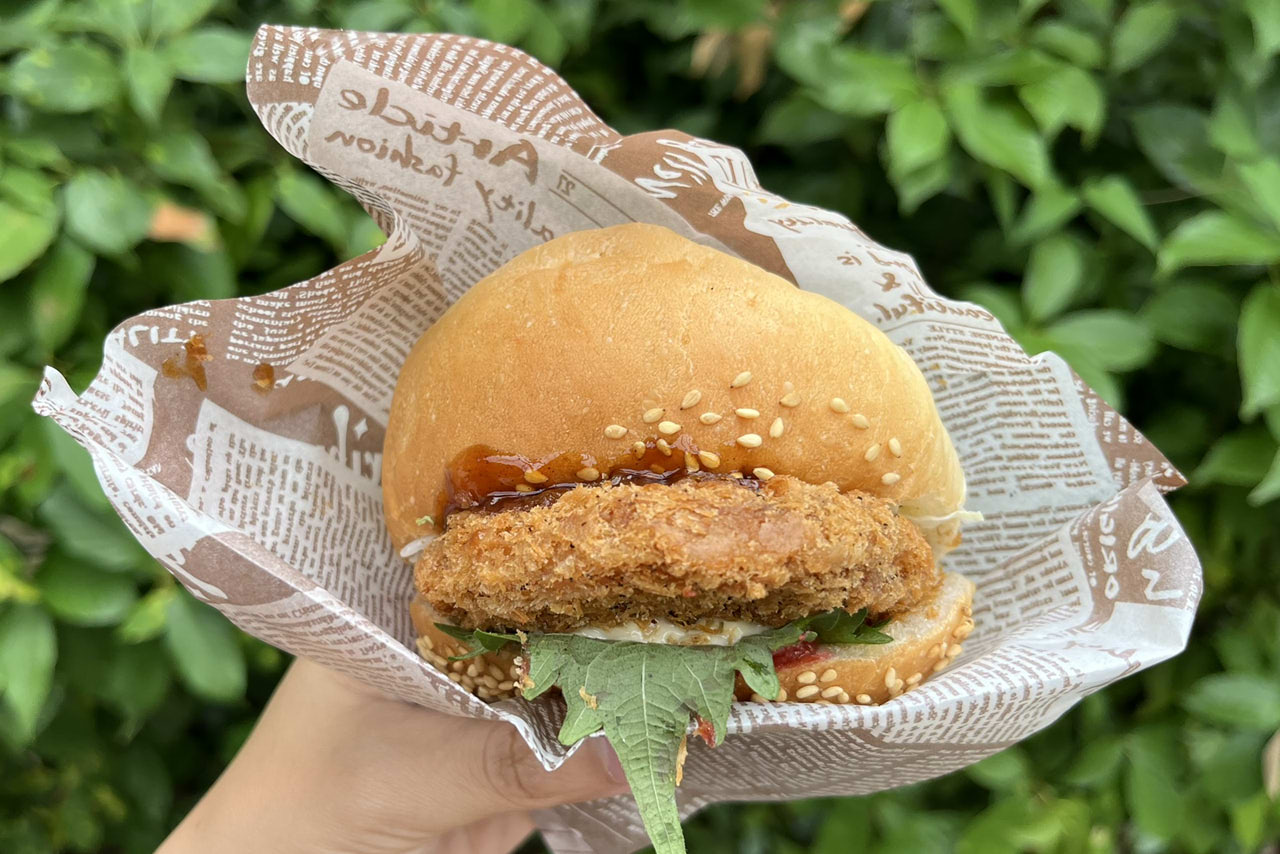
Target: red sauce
705,730
803,652
483,478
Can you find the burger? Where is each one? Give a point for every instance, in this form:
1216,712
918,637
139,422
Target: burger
623,446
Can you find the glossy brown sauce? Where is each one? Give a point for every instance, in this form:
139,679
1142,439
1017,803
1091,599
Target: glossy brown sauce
483,478
196,354
264,378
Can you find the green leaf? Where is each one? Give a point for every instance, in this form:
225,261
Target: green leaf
1215,238
934,37
503,20
1068,96
911,828
120,20
1097,762
643,697
1268,489
380,16
1175,139
183,157
29,189
798,120
1000,68
1237,459
210,55
35,153
916,135
478,640
57,293
1113,197
1246,700
175,16
106,212
69,78
841,627
147,618
1097,378
28,649
852,820
1055,272
72,460
1004,197
1115,340
99,539
144,777
964,14
1001,772
195,274
26,236
136,679
203,647
17,386
1259,349
1265,16
243,237
1050,207
363,235
13,582
82,595
997,134
1151,789
1231,129
1193,315
1251,819
866,83
1073,44
1142,30
1262,177
544,38
149,78
803,46
924,183
1000,301
312,204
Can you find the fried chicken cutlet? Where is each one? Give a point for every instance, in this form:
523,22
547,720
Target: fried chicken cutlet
702,548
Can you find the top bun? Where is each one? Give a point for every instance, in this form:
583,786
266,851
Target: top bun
600,329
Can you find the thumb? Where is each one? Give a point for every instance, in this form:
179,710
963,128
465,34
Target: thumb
504,775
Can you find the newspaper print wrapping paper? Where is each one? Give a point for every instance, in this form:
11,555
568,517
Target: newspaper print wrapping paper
267,505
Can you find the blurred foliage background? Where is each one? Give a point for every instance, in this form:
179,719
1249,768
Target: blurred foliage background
1103,175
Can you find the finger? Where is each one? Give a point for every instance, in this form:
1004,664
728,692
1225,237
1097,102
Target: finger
498,835
442,770
509,768
488,770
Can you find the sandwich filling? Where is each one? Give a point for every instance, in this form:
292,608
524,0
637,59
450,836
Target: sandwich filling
636,557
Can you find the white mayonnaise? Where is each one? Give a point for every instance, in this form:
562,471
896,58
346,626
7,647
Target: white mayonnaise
414,546
705,633
935,521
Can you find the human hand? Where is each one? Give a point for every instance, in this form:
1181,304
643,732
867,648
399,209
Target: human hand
335,766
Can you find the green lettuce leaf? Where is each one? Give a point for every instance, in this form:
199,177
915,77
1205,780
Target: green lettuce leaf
644,696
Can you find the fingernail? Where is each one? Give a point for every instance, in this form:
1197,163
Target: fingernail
608,760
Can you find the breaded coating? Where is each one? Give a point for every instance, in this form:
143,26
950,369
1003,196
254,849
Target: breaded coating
697,549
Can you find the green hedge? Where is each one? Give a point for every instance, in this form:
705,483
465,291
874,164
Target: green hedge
1103,176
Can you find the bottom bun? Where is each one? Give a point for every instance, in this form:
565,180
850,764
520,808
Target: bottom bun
925,641
492,676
